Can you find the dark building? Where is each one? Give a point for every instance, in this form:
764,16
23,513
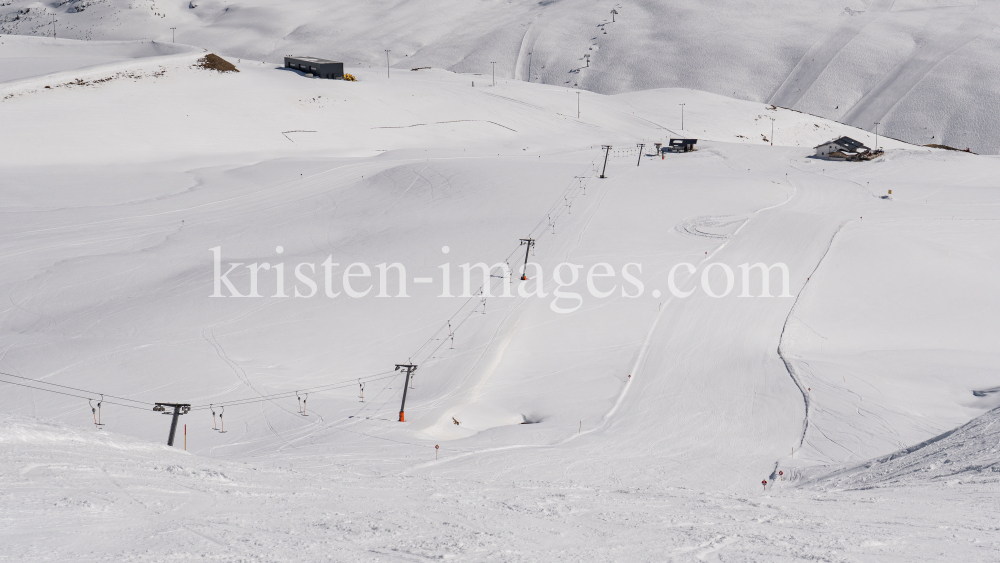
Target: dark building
320,68
681,145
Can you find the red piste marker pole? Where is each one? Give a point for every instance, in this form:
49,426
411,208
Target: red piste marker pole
764,482
436,448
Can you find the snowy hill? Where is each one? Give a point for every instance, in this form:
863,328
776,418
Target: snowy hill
642,418
925,69
967,454
103,496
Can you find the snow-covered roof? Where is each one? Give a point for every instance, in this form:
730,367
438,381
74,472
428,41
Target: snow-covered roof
845,143
313,60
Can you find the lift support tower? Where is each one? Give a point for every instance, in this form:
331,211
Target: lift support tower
409,368
179,409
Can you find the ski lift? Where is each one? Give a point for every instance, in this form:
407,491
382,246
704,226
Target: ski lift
221,421
531,245
304,404
99,423
300,401
93,411
178,409
362,386
215,426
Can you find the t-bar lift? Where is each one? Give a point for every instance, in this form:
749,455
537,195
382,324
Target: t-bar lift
179,409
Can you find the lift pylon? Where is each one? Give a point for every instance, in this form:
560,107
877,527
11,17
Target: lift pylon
607,151
530,242
179,409
409,368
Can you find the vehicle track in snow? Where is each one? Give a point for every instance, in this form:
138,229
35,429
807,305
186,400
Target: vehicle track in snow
522,70
711,227
505,330
784,355
821,54
880,100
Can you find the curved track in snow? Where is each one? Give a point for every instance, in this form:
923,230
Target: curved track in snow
822,53
878,102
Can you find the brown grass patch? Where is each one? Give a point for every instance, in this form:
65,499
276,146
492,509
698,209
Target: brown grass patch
212,61
947,148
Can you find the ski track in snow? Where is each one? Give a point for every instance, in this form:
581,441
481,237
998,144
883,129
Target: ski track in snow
669,462
878,102
822,53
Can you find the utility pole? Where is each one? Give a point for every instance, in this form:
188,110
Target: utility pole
529,66
387,51
876,134
578,105
640,145
682,115
530,242
179,409
614,12
588,59
607,151
409,368
53,25
772,130
494,63
173,34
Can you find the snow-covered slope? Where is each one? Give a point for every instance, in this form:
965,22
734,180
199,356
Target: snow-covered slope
968,454
665,407
926,69
26,57
72,494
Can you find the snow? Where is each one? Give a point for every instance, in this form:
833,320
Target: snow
29,57
100,498
967,454
924,69
651,420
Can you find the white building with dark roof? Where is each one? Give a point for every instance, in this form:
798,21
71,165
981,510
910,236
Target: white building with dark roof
844,148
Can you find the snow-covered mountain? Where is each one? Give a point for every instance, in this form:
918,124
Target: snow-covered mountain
643,396
926,70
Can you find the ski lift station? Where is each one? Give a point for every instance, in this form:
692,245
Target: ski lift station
680,145
320,68
844,148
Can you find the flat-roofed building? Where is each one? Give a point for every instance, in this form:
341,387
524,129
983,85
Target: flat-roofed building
320,68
